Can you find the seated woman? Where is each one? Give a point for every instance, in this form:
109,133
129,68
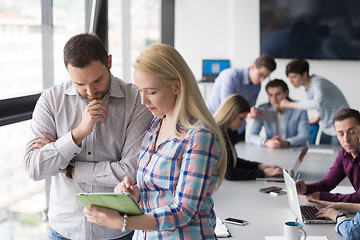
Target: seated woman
182,159
231,115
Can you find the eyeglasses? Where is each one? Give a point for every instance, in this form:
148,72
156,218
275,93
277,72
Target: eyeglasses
262,75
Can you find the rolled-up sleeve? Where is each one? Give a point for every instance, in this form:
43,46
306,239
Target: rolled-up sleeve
47,161
349,228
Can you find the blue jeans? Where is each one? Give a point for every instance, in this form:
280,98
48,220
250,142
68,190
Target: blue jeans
314,128
53,235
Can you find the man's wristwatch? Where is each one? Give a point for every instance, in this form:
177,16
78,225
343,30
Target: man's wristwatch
340,215
69,170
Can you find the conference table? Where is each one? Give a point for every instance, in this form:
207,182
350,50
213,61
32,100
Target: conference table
265,213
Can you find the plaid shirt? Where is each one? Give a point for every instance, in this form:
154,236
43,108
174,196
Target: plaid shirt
176,182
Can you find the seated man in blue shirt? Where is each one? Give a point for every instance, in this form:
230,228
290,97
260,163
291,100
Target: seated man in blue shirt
244,81
291,128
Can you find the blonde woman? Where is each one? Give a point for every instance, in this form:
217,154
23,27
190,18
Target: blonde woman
231,115
182,159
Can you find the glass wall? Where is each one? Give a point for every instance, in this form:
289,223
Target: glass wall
145,25
115,37
69,20
20,47
23,201
144,29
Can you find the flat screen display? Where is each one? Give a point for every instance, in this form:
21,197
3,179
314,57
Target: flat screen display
314,29
214,67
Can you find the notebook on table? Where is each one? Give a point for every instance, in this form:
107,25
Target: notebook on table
304,213
294,170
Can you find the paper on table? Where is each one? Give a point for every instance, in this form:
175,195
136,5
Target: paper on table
221,230
343,190
308,238
268,115
321,151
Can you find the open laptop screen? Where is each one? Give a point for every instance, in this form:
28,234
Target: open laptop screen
292,196
299,160
212,68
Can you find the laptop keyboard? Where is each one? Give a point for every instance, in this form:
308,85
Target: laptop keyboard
308,213
279,175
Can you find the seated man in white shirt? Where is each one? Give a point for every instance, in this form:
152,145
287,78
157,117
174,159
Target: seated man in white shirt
291,127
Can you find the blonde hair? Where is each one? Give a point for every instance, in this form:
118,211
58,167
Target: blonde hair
165,62
229,109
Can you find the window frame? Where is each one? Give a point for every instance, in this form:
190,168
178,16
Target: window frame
20,108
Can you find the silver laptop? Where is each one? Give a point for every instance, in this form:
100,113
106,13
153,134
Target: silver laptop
294,170
305,214
212,68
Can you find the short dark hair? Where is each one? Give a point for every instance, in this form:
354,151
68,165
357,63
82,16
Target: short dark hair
277,83
345,114
299,66
267,61
80,50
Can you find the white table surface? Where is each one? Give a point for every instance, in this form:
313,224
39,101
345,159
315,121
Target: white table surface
266,214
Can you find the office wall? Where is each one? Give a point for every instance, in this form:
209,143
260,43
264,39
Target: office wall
230,29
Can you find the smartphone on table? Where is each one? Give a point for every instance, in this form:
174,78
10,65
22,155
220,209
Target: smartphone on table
278,193
236,221
270,189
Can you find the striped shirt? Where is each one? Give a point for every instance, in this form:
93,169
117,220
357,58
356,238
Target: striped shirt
106,155
176,182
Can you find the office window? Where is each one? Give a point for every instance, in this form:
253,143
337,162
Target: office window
22,200
20,48
144,29
69,20
115,32
145,25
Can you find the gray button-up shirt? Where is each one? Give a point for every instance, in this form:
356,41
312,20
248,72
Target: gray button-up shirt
108,154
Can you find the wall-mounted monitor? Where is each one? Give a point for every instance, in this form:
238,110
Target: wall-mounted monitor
313,29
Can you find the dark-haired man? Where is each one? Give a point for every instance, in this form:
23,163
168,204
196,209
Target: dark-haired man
347,163
291,127
244,81
323,96
86,135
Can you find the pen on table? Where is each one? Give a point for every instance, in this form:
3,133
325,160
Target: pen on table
298,178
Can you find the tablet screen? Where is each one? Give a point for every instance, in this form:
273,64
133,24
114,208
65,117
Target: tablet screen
121,202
